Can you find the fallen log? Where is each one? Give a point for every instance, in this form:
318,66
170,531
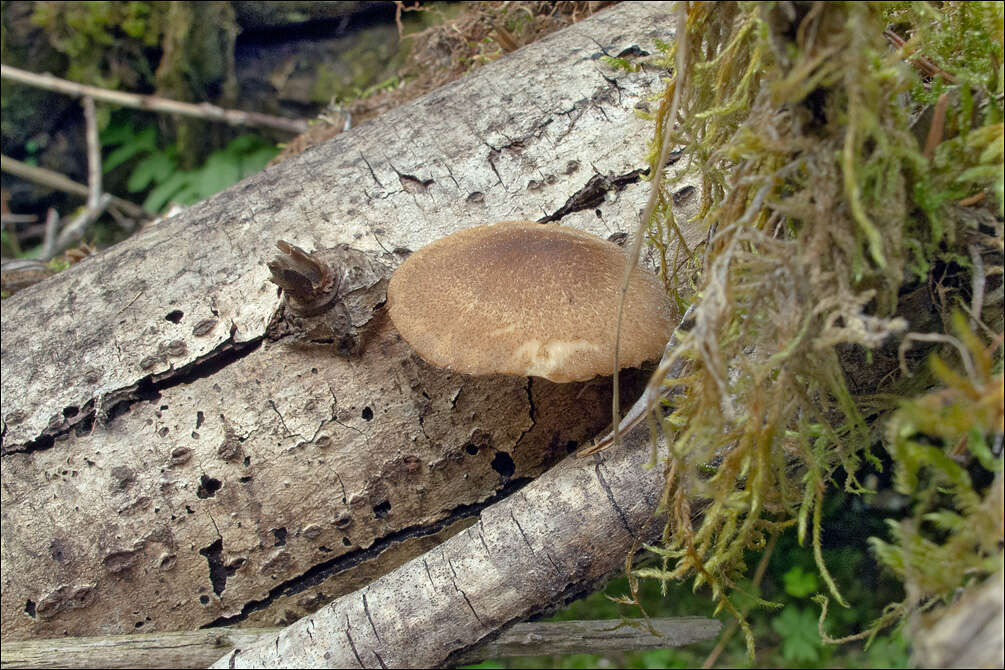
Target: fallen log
526,554
197,649
167,466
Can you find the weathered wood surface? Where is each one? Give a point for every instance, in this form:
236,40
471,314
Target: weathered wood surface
198,649
970,633
166,467
526,553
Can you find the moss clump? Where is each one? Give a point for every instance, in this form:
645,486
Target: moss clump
105,43
955,533
850,156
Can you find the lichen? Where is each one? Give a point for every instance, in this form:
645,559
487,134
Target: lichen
850,156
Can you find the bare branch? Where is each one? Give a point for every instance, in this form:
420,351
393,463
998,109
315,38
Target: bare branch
93,154
153,103
519,558
193,649
74,229
51,233
63,183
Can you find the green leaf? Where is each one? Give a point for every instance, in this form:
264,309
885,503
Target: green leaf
192,193
154,169
799,583
220,171
662,658
243,144
164,192
800,637
257,160
889,652
145,141
979,447
117,133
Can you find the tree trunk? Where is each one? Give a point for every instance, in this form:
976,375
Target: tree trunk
166,466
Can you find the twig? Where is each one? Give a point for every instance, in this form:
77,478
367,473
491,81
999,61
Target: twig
202,647
93,153
51,233
96,201
937,129
504,38
63,183
19,273
153,103
935,337
976,282
669,367
11,219
74,230
920,62
971,199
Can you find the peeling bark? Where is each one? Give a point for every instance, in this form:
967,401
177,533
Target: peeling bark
167,466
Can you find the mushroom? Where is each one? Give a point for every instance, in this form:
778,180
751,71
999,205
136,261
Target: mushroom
522,298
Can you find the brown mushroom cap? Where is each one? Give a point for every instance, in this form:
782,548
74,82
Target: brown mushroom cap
522,298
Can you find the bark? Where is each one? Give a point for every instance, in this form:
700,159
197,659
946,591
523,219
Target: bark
198,649
168,467
970,633
525,554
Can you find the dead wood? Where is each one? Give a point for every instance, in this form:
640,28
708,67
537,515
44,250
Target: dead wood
969,633
525,555
167,466
197,649
234,117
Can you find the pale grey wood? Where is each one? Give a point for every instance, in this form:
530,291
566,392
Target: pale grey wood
556,539
189,649
543,638
200,648
970,633
165,467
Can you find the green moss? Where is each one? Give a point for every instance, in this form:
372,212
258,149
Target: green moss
371,59
104,42
828,195
198,64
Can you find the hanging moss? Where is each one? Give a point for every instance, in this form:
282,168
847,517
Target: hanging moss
851,160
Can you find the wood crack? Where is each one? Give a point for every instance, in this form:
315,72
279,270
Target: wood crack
610,497
366,609
348,627
592,194
322,571
453,581
107,407
522,534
